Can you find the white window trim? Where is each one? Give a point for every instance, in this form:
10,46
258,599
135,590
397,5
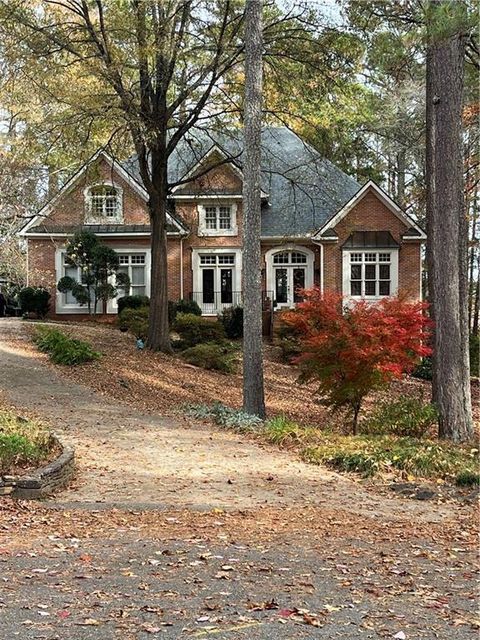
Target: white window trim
202,229
346,272
270,267
89,218
61,306
197,269
112,307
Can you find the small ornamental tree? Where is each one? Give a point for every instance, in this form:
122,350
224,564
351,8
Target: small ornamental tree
352,350
97,263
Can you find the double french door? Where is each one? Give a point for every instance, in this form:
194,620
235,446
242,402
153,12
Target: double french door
288,282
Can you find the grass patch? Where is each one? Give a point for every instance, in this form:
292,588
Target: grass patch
63,349
369,455
283,431
22,442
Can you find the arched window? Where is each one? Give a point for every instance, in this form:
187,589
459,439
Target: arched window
104,203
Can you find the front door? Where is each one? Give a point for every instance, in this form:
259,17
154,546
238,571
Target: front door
288,281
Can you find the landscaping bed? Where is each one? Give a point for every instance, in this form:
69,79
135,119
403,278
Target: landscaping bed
33,462
25,444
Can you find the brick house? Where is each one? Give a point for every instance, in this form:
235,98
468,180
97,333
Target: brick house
318,226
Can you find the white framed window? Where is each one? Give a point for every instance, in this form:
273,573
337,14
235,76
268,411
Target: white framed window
133,264
104,204
72,272
370,274
217,220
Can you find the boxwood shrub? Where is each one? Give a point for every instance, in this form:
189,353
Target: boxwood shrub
132,302
232,320
34,300
194,330
211,355
135,320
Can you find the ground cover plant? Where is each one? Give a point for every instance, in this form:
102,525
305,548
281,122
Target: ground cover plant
369,455
62,349
23,442
352,350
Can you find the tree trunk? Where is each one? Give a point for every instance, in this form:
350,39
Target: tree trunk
158,329
401,167
253,390
447,231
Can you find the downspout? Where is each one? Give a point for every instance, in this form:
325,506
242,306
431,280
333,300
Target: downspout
27,265
181,268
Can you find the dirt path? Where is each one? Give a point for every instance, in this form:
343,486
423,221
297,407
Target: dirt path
127,458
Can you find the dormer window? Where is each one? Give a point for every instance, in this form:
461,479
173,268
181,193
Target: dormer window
217,220
104,204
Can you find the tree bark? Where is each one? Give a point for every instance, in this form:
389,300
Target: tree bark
401,168
158,329
253,388
447,231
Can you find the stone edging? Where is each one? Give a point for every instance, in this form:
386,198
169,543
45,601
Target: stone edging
43,481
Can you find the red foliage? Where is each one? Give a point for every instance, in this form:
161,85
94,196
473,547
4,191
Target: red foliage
353,349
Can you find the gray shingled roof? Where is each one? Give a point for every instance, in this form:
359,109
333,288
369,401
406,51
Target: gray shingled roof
304,190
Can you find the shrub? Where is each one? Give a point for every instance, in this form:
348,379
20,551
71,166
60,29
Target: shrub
132,302
288,340
474,354
232,321
135,320
408,417
187,306
351,351
34,300
62,349
194,330
211,355
424,370
225,417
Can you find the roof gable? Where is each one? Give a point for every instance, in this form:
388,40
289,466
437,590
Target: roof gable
413,231
116,168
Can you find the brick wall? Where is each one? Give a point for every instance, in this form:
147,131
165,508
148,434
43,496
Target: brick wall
371,214
70,208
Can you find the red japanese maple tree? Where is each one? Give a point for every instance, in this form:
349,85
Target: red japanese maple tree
351,350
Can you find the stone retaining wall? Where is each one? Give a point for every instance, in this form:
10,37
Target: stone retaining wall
44,481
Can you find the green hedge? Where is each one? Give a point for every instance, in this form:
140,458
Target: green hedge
194,330
135,320
34,300
211,355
